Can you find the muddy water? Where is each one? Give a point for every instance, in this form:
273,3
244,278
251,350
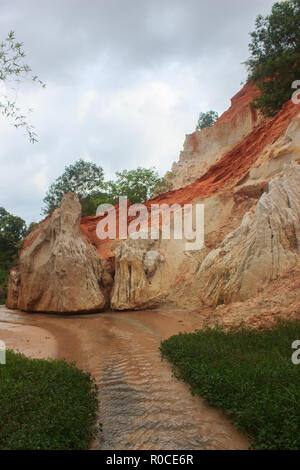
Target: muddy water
142,406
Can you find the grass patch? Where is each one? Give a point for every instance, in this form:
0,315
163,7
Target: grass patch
248,374
45,404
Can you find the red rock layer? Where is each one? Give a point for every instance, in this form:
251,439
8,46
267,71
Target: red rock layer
226,173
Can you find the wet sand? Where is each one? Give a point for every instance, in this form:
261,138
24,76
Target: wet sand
142,406
32,341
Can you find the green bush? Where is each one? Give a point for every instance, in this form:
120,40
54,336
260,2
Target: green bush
45,404
249,375
275,55
207,119
12,232
3,284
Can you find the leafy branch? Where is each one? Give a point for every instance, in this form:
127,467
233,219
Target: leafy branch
13,70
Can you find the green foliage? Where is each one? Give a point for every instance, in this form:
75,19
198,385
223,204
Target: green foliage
206,119
45,405
3,284
82,178
12,229
12,71
137,185
275,55
248,374
90,203
12,232
86,179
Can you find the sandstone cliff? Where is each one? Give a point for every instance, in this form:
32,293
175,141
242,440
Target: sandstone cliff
203,148
248,179
252,210
262,248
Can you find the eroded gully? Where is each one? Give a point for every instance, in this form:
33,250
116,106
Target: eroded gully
142,406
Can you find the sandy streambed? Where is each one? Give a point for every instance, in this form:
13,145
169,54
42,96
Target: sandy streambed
142,406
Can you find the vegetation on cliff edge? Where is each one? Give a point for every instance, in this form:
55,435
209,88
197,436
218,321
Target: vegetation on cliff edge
206,119
86,179
275,55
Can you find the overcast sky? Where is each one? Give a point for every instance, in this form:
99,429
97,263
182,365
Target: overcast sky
126,80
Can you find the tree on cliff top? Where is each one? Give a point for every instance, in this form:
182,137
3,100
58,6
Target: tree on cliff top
86,179
12,71
275,55
137,185
206,119
83,178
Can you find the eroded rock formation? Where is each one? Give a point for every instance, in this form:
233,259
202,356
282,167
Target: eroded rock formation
58,271
250,187
136,264
261,249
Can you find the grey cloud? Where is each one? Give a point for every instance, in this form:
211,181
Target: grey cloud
126,80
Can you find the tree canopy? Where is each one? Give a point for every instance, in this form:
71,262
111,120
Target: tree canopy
82,177
137,185
12,232
207,119
86,179
275,55
12,229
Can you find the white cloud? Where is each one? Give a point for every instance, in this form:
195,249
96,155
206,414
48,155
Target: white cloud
39,180
85,102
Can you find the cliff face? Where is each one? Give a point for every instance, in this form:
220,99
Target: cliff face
203,148
247,177
261,249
